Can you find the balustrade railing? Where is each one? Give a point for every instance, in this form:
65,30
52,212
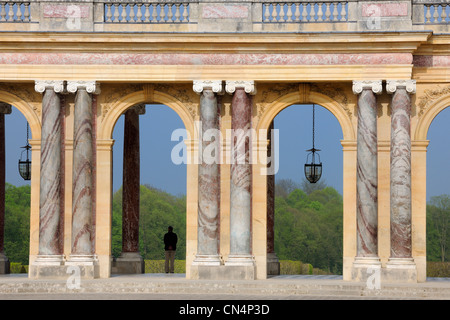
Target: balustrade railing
15,11
188,15
157,12
437,13
312,11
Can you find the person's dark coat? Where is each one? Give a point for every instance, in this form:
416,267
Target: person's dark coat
170,241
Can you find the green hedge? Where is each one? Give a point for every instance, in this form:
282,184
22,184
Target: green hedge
438,269
157,266
17,267
298,267
434,269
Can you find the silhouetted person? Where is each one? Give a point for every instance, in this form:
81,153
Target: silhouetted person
170,246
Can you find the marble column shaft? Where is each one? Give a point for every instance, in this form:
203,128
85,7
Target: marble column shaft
131,182
367,175
241,175
50,232
270,199
4,109
209,178
400,175
82,220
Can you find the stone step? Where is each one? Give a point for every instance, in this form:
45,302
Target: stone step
162,285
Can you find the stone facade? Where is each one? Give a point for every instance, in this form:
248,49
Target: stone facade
231,65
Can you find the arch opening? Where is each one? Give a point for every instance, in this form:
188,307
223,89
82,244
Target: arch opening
438,193
308,222
162,190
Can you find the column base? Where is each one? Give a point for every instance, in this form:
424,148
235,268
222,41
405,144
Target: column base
87,264
207,260
400,270
273,264
128,263
48,267
4,264
364,267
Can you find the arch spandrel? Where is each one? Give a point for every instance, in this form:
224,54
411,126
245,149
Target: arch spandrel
341,113
111,113
27,109
430,104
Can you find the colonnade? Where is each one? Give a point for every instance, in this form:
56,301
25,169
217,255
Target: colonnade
209,261
51,235
400,266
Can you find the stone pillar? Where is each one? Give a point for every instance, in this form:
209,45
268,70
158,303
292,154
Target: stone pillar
130,260
273,264
241,177
366,179
4,261
82,253
50,257
208,177
401,265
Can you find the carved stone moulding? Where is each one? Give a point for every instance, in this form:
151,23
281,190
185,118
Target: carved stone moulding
374,85
409,85
41,85
214,85
249,86
90,86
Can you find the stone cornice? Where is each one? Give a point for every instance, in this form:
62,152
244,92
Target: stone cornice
320,42
181,73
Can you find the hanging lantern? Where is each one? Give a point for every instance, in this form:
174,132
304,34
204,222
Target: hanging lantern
313,166
25,165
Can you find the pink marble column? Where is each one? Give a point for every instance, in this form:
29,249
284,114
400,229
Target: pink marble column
82,176
131,181
273,263
401,249
208,174
270,202
367,172
4,261
241,173
50,215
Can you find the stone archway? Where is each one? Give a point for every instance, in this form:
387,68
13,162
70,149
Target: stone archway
349,174
33,120
104,171
419,176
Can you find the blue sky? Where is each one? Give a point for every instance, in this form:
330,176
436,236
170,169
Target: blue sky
293,122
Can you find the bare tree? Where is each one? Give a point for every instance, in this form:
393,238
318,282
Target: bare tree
284,187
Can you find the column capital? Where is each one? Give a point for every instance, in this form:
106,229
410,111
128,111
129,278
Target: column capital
90,86
5,108
393,85
248,86
56,85
360,85
214,85
139,108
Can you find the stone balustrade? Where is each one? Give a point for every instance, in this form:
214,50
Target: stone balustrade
15,11
224,16
306,12
437,13
146,12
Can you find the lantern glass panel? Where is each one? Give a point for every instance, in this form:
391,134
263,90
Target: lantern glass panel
25,169
313,172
